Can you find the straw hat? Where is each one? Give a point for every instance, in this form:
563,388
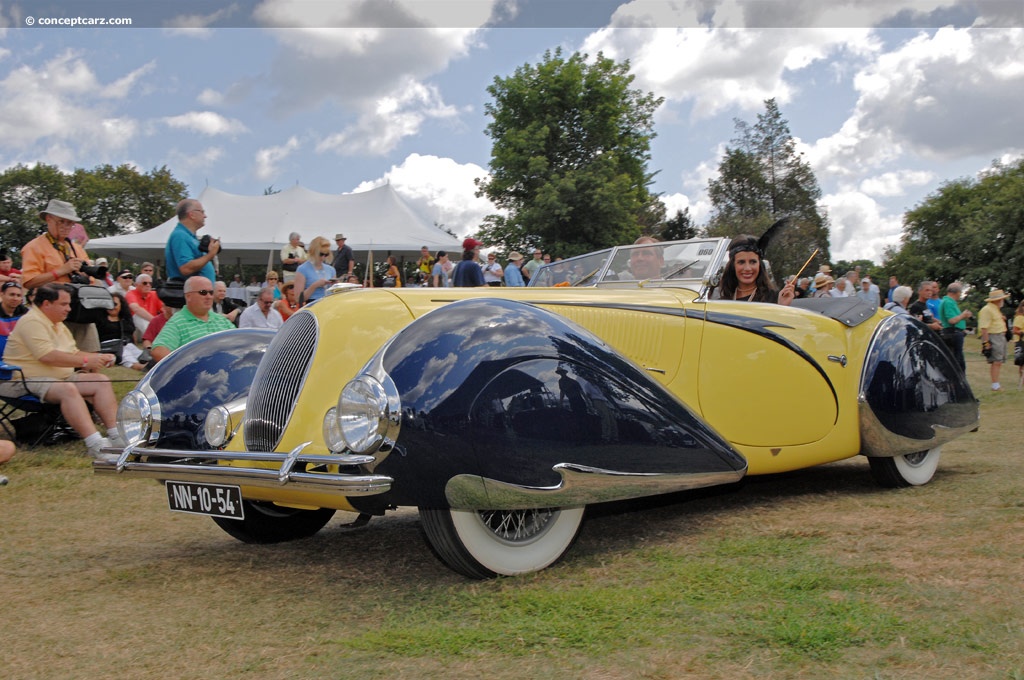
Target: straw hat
995,295
822,279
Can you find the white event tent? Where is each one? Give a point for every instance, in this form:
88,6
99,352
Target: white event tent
253,229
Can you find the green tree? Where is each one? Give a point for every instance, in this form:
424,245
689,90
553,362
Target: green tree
571,143
762,178
24,191
970,230
110,200
680,226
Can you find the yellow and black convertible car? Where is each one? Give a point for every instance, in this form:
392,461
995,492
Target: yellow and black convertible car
502,413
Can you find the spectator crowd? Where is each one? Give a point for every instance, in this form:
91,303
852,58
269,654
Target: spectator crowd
60,350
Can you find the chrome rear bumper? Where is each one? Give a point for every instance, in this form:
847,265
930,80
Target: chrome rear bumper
222,467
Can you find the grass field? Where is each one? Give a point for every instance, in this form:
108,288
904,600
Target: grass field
808,575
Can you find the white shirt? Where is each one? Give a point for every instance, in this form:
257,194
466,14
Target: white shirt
493,272
253,317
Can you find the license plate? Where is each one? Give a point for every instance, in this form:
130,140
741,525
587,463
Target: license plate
216,500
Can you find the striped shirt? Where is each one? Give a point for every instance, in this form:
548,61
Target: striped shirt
184,327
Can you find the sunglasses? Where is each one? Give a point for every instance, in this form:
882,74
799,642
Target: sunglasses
126,276
10,284
204,293
325,254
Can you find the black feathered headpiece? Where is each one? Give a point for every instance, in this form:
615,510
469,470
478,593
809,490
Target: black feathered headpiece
760,245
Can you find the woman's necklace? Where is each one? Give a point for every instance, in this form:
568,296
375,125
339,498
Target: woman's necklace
744,293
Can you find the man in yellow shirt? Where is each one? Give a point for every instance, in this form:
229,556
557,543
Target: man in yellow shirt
46,352
992,328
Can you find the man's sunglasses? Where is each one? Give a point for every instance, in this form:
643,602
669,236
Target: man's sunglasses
204,293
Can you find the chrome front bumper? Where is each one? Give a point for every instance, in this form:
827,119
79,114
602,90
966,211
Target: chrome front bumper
221,467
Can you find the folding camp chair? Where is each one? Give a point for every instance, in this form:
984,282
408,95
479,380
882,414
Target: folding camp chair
27,419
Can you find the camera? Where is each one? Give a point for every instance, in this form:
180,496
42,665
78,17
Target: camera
204,243
81,277
96,272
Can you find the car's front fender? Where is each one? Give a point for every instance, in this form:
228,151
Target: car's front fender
187,383
506,404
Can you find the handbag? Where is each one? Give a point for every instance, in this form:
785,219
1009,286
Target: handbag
89,304
389,282
1018,353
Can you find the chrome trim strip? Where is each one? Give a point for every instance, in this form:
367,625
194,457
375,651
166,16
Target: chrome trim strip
201,466
580,485
878,441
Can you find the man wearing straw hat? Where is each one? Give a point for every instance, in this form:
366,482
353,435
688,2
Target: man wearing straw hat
992,328
344,258
52,257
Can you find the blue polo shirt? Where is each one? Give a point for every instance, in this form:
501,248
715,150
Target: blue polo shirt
183,247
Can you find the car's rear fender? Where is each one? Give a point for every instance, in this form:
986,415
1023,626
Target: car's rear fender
913,394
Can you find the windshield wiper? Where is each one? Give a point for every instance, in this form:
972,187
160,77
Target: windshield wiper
677,270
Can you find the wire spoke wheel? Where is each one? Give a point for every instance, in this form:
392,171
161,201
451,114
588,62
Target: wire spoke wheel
911,469
488,543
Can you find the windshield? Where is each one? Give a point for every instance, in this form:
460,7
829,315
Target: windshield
684,263
675,260
576,271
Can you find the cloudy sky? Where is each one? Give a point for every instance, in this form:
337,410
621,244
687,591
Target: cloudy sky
888,99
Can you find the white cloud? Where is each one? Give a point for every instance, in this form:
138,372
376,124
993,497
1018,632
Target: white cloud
718,68
395,117
674,203
206,122
195,161
234,95
895,183
954,94
859,227
197,25
440,189
361,58
122,87
268,159
64,107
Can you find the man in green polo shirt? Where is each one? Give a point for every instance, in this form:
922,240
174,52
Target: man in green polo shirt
195,321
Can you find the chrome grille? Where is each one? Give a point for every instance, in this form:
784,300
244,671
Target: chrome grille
278,381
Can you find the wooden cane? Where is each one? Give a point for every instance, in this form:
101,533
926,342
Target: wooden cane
797,277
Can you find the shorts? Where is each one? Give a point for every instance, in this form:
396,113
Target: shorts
15,388
998,354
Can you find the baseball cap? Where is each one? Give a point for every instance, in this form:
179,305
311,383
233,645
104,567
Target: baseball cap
471,243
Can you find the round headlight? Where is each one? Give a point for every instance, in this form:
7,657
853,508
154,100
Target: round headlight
134,418
332,431
368,418
217,426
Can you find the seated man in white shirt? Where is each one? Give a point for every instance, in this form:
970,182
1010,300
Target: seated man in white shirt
262,314
46,352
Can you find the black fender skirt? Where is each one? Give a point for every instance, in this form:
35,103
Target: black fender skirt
913,395
508,405
205,373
